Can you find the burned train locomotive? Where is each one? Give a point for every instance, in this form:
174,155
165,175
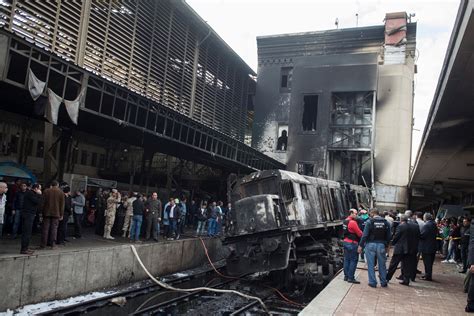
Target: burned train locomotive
283,221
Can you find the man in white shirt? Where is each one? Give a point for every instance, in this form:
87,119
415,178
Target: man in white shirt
3,203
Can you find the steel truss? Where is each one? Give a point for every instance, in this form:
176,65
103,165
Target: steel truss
111,101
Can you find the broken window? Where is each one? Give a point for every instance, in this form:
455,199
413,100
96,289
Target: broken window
287,191
310,112
304,191
282,142
351,119
306,169
285,79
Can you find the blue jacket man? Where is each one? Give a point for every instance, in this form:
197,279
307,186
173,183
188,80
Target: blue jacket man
375,240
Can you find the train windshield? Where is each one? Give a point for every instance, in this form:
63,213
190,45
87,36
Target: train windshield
263,186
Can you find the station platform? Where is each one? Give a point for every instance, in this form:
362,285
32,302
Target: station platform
10,248
91,263
442,296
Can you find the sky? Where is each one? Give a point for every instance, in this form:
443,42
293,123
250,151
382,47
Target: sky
239,22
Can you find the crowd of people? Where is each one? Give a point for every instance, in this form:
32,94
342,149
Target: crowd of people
132,215
413,237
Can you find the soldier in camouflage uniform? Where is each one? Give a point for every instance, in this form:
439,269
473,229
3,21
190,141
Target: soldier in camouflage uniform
112,202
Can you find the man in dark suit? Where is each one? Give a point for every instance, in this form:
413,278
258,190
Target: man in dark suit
470,263
413,239
400,246
405,243
428,245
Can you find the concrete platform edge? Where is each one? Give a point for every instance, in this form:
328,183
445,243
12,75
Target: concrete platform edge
43,277
328,300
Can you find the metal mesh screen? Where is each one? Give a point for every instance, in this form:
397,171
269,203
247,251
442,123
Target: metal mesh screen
150,47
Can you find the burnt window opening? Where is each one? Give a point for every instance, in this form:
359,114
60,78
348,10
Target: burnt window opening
282,142
304,191
306,169
310,112
285,79
287,191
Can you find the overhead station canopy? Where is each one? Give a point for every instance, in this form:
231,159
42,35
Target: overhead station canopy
445,161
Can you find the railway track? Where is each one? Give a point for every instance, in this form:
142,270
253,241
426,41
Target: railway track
207,303
133,291
147,298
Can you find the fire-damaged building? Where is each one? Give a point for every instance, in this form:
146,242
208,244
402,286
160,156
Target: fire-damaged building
338,104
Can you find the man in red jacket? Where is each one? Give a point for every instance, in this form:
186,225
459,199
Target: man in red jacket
352,235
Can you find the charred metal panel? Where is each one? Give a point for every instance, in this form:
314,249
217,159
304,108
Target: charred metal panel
256,214
258,241
259,254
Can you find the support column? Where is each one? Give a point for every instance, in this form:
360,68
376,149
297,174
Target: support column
47,158
193,84
63,152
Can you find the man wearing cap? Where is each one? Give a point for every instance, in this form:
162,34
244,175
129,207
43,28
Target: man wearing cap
112,202
375,240
352,234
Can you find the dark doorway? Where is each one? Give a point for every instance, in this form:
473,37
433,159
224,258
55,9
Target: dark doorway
310,112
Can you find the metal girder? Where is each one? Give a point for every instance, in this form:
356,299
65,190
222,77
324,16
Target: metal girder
116,103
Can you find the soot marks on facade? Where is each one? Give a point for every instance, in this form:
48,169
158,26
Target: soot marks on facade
345,98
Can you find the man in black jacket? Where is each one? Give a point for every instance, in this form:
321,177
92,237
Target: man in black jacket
465,235
470,263
17,208
405,244
31,205
428,245
138,210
